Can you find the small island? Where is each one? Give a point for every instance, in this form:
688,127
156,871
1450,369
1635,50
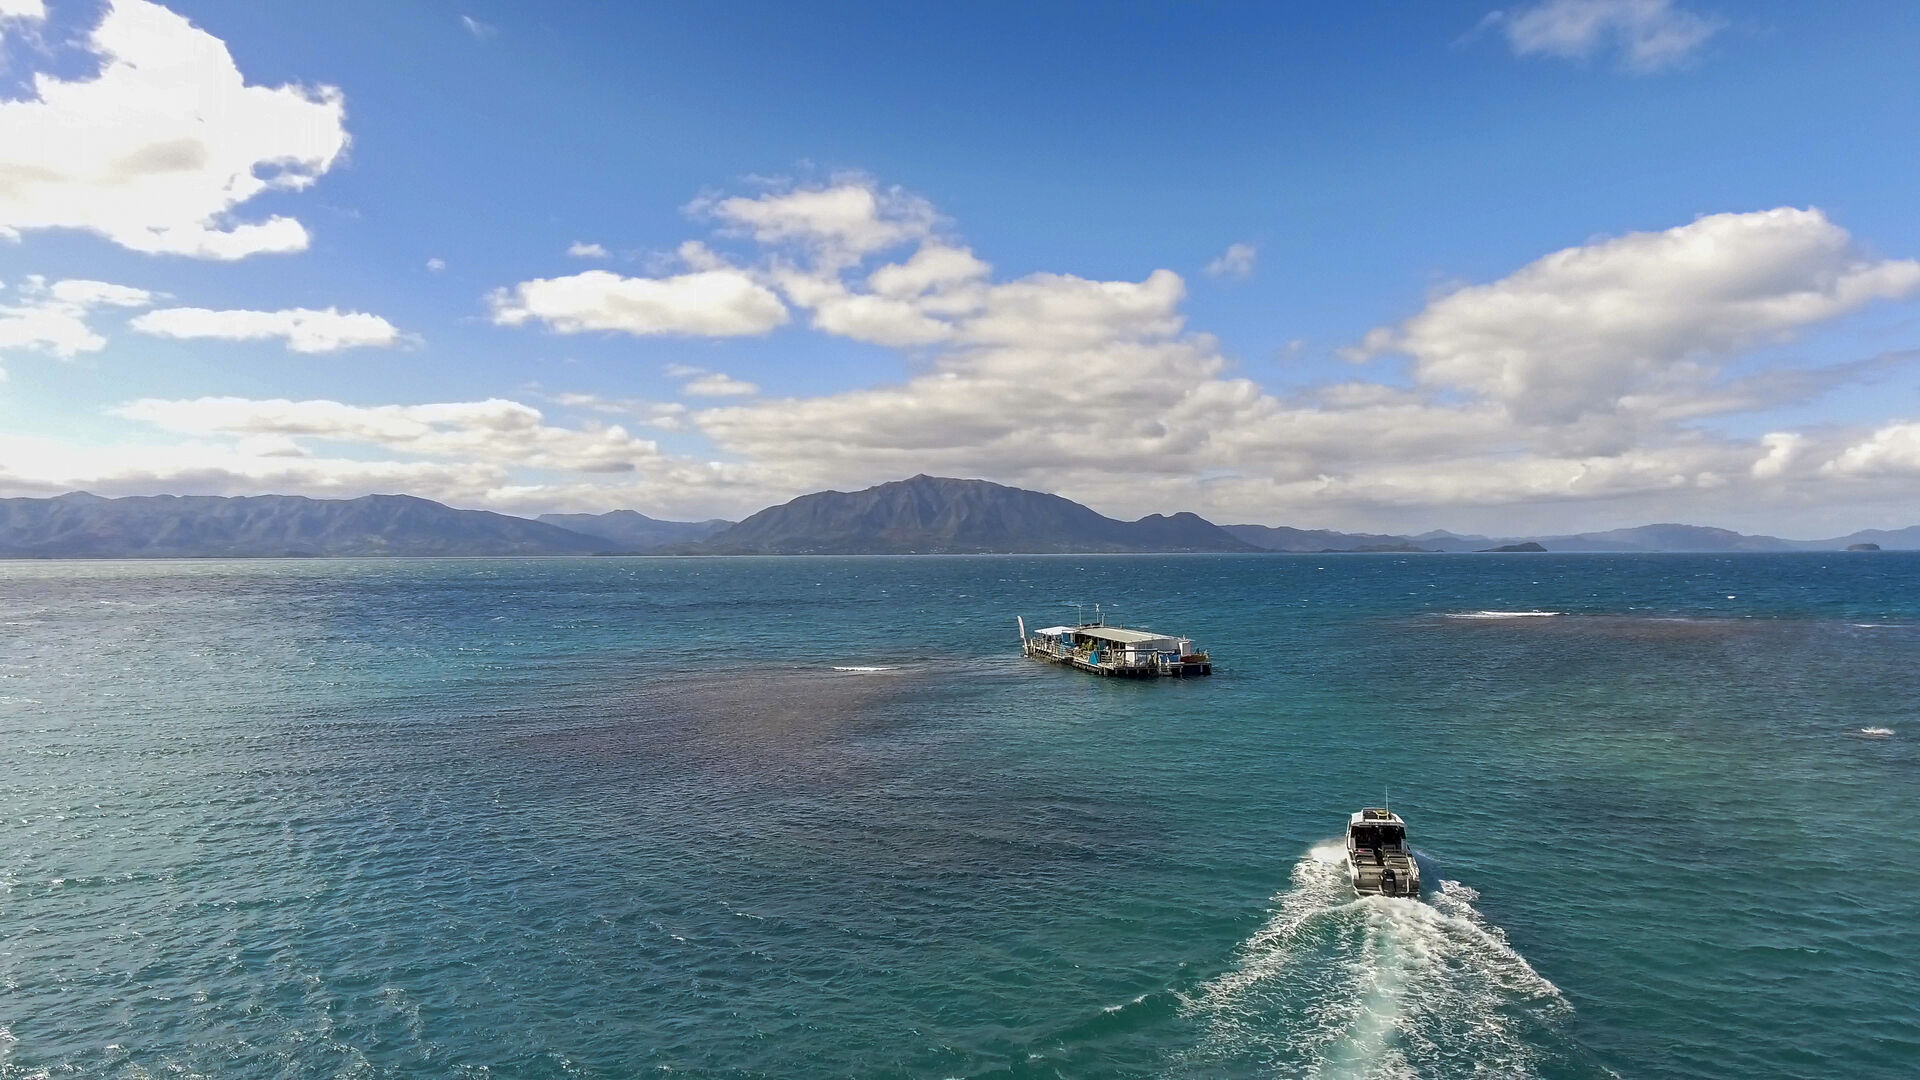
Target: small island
1528,546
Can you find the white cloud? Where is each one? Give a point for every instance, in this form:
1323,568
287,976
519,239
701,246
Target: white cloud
480,31
935,266
710,303
580,249
53,319
1649,34
1782,448
435,265
1237,261
1565,395
837,224
1893,450
303,329
23,9
719,385
157,151
495,432
666,415
1585,329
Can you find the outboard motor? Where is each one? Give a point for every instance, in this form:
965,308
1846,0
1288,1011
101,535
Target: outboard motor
1389,883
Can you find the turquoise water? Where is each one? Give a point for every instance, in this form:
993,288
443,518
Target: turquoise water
816,817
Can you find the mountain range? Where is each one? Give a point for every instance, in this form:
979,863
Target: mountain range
921,515
635,531
935,515
79,525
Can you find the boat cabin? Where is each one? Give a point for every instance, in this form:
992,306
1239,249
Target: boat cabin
1377,829
1116,650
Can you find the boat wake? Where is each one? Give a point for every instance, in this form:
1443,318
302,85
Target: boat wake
1335,985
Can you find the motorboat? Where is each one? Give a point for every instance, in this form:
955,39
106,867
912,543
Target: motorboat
1378,859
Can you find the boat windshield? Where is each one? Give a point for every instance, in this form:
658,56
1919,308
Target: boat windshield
1386,837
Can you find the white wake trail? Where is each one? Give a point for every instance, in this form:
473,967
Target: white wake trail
1336,986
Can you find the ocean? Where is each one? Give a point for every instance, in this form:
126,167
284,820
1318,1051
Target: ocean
816,817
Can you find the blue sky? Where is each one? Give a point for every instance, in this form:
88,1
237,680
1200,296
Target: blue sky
1570,264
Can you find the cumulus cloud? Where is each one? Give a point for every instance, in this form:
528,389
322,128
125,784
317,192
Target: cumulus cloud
1573,379
303,329
718,385
53,318
1893,450
1647,34
436,264
708,303
1577,384
158,150
581,249
838,224
1584,329
1237,261
666,415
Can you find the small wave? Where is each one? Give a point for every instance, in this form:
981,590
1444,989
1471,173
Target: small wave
1502,614
1875,732
1335,985
869,670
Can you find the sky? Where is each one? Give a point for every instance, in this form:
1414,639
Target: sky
1555,266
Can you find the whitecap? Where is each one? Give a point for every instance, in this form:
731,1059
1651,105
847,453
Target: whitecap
1502,614
859,670
1875,732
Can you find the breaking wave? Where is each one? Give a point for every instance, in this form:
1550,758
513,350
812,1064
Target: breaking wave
859,670
1502,614
1335,986
1876,732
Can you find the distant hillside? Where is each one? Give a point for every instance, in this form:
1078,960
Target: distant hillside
635,531
922,515
1649,538
1907,539
1664,537
1287,538
79,525
929,514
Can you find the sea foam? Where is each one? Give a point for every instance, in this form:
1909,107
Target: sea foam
1335,985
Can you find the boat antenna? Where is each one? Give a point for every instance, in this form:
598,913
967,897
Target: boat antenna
1387,794
1097,617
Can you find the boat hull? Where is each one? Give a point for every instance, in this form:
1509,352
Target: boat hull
1179,669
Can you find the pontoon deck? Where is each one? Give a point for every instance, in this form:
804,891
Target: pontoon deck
1115,650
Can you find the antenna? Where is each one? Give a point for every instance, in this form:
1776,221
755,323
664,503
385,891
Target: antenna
1388,796
1097,617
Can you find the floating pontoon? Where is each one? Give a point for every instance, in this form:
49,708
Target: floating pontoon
1115,650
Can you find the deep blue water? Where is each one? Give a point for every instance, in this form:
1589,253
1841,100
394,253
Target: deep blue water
629,817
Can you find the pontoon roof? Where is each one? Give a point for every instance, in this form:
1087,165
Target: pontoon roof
1055,631
1121,635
